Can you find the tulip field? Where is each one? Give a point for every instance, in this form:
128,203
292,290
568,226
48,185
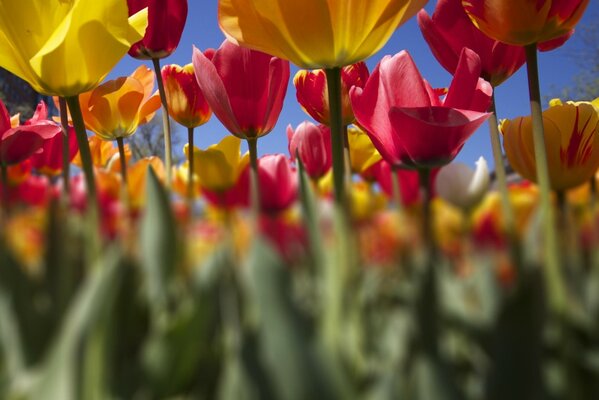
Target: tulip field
363,262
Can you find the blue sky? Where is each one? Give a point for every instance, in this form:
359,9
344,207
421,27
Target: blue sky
201,30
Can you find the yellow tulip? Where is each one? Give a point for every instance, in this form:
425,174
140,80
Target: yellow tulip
116,108
65,47
220,165
571,141
362,152
315,33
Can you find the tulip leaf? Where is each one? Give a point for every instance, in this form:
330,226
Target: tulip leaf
10,340
57,377
158,243
309,209
289,355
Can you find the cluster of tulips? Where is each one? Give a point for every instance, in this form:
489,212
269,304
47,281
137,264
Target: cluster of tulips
363,263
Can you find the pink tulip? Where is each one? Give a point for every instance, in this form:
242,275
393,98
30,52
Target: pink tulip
278,183
407,121
313,96
245,88
19,143
166,20
313,144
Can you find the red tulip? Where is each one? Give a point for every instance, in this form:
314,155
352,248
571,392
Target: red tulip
278,183
186,102
449,30
245,88
166,19
409,185
407,121
313,96
49,161
19,143
313,144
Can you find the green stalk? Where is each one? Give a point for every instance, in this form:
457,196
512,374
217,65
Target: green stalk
166,124
254,181
426,196
84,152
336,124
191,166
553,278
66,163
5,198
396,189
123,160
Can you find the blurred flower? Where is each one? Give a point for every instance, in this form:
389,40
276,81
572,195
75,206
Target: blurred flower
181,179
245,88
24,236
278,183
104,154
315,34
20,142
407,121
571,140
186,102
449,30
365,203
408,182
313,144
116,108
461,186
66,47
137,177
362,153
313,95
166,19
524,22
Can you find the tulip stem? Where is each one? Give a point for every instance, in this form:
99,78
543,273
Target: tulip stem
5,197
336,124
426,195
347,157
396,189
500,176
123,160
254,182
66,163
166,124
84,151
190,154
553,278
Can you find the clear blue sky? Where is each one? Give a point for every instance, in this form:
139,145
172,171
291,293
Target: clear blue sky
201,30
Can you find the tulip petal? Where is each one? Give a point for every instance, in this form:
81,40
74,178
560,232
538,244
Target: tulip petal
465,79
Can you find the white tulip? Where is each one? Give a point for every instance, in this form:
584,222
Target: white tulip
462,186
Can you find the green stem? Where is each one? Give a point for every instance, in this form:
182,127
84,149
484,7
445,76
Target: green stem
84,152
166,125
347,158
336,124
593,190
254,180
553,278
66,163
123,160
191,166
426,196
5,188
396,189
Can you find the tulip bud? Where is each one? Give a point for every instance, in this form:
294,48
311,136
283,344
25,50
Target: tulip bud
313,96
186,102
313,144
278,183
461,186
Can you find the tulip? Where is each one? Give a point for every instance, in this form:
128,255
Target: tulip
245,89
315,34
186,103
571,140
407,121
166,19
461,186
66,48
103,153
407,181
313,96
278,182
313,145
525,22
363,154
449,30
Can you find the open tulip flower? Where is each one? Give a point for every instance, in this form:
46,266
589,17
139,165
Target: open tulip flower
571,141
313,145
461,186
245,88
166,20
314,33
449,30
18,143
525,22
186,103
409,124
313,95
116,108
66,48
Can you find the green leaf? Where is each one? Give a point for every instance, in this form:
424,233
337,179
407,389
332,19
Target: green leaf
10,339
158,244
57,377
289,354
